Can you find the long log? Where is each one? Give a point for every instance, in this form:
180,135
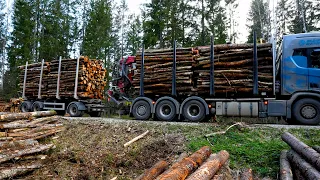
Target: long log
232,46
154,171
17,170
21,143
210,167
305,168
27,115
285,167
317,148
174,165
187,165
27,151
311,155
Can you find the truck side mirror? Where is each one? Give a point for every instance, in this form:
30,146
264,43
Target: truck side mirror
301,61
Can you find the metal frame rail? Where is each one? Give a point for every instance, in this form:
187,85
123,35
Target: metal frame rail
174,69
142,74
212,91
255,65
76,80
58,80
25,81
40,81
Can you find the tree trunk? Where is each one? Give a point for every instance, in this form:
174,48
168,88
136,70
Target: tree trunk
285,168
154,171
18,170
18,116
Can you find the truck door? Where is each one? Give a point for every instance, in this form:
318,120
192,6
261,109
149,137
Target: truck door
295,74
314,69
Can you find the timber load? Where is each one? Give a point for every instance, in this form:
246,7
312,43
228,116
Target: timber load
233,70
21,134
300,162
158,70
91,79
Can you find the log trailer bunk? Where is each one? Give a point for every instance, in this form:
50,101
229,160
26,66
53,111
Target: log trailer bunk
296,89
75,106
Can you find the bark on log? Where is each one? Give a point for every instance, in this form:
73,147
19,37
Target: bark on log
311,155
27,151
18,170
317,148
305,168
187,165
175,164
210,167
154,171
231,46
285,168
18,116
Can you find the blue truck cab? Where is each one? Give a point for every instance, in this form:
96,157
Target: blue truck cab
298,76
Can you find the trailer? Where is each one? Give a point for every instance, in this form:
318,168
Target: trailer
296,89
75,106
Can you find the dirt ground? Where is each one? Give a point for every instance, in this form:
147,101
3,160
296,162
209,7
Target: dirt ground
96,151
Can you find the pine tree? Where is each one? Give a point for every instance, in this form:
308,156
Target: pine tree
3,40
259,17
282,13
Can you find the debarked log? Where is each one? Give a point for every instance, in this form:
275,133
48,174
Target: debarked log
154,171
35,149
27,115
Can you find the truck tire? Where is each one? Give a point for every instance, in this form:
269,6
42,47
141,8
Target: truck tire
36,106
74,111
166,110
25,106
194,111
141,110
306,111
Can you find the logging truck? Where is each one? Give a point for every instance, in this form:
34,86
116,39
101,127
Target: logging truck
291,90
73,86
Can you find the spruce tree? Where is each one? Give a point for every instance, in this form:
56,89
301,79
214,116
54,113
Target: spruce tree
259,18
134,36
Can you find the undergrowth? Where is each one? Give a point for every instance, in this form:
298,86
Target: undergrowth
258,149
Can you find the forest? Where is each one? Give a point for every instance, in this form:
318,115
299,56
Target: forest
32,30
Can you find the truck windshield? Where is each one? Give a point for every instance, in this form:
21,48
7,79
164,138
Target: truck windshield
312,55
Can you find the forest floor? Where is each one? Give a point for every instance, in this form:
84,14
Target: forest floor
93,148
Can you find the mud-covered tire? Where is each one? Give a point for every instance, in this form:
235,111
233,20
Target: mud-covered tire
194,111
141,110
166,110
306,111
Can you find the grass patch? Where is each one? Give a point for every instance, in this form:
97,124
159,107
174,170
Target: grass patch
258,149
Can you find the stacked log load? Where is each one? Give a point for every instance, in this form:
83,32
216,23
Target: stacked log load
20,148
158,70
91,79
301,161
233,69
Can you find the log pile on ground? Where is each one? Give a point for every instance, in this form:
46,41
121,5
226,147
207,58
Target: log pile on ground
91,79
158,70
20,150
300,162
233,69
200,165
13,106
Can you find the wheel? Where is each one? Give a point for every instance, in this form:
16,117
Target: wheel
307,111
95,114
25,106
194,111
141,110
36,106
74,111
166,110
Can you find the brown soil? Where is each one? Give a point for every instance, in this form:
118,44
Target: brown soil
95,151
